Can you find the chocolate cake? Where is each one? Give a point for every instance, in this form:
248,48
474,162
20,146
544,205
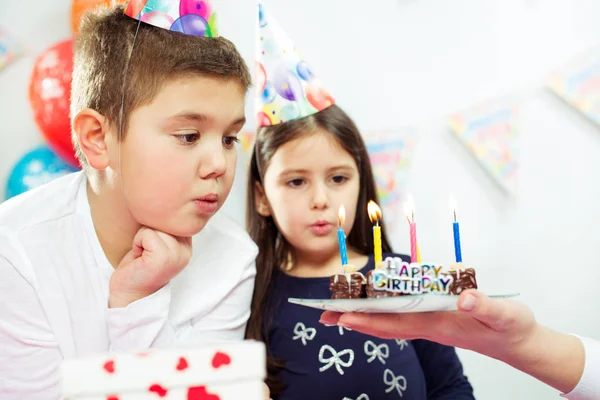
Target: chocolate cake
394,278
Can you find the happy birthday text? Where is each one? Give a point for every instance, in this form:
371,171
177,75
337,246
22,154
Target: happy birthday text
398,276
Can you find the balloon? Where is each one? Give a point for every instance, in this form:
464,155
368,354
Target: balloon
268,94
317,96
157,5
49,94
263,119
37,167
262,18
287,84
135,7
80,7
261,78
198,7
190,24
157,18
304,71
290,112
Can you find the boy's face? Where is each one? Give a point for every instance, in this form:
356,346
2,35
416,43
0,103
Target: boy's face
178,157
305,183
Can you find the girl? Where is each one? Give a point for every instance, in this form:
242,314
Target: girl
301,172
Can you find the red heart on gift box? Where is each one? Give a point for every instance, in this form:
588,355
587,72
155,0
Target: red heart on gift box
220,359
200,393
109,367
182,364
159,390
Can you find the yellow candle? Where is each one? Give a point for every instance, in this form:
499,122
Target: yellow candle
377,254
375,216
418,253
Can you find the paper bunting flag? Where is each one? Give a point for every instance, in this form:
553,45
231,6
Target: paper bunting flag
491,134
578,84
9,49
247,140
391,156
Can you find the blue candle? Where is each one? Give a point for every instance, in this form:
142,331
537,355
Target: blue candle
457,251
342,235
342,242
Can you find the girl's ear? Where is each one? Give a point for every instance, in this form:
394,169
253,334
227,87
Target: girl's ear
260,201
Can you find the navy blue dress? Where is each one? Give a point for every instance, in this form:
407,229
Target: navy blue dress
334,363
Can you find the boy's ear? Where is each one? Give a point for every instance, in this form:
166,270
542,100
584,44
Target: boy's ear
89,126
260,201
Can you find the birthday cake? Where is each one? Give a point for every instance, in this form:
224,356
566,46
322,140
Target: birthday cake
394,277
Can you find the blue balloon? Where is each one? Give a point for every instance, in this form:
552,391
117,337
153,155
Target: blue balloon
269,94
262,17
39,166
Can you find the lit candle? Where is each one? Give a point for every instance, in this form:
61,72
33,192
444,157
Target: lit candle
409,210
457,250
375,215
342,235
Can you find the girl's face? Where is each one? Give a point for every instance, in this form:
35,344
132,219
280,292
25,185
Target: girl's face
305,183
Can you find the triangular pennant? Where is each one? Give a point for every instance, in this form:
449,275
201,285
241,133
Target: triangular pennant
578,84
391,155
247,140
491,134
10,50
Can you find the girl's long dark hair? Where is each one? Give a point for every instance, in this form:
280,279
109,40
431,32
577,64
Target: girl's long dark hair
274,250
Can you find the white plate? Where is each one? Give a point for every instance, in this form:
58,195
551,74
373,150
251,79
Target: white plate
404,304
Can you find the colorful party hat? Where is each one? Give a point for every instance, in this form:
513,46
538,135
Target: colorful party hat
286,88
192,17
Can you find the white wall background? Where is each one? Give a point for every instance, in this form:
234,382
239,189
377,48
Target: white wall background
392,63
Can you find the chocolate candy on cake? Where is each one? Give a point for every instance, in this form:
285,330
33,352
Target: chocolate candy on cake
462,279
347,286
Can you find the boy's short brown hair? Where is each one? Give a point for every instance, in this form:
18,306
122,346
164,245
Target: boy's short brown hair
103,47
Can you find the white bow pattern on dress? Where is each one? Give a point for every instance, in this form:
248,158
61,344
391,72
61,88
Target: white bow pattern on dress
393,382
401,343
361,397
341,328
373,351
335,359
303,333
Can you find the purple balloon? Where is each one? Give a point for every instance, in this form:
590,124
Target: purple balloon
287,84
190,24
304,70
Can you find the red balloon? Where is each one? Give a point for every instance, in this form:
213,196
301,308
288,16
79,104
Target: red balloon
49,95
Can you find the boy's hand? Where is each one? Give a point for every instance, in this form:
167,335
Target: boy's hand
155,259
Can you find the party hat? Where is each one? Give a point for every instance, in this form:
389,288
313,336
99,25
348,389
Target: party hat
192,17
286,88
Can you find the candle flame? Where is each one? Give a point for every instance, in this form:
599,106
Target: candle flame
409,209
374,211
342,215
453,206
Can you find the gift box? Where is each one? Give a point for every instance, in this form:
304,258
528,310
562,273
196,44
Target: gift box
229,371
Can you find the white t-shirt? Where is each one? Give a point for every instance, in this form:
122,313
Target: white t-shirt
588,387
54,280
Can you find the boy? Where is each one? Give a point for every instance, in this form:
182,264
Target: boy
122,256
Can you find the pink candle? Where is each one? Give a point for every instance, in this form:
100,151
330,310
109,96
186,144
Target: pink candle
409,210
413,243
